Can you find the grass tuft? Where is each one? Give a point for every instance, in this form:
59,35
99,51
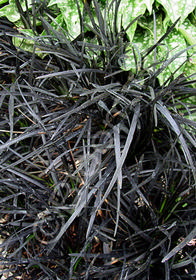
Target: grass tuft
97,164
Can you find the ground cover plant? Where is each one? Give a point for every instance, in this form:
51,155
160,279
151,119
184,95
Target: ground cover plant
65,13
97,161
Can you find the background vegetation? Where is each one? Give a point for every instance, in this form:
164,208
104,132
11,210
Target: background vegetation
60,13
97,132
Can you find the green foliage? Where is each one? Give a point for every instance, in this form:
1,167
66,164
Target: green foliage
143,32
177,8
69,13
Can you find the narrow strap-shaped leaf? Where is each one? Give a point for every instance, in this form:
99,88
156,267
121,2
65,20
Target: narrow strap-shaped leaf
163,110
124,153
80,207
69,72
161,39
180,246
81,107
20,138
11,114
119,180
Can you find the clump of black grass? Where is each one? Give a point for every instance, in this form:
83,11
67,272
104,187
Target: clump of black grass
97,164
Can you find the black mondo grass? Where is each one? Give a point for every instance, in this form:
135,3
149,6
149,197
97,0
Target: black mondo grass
97,164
